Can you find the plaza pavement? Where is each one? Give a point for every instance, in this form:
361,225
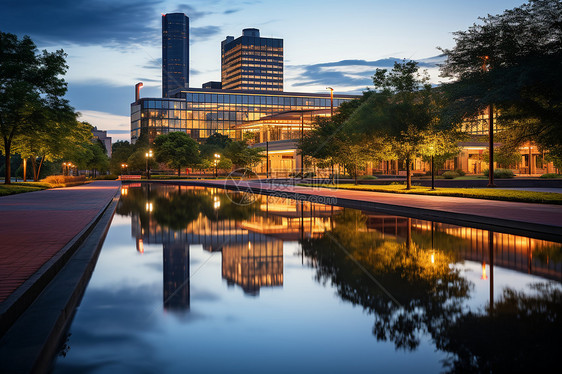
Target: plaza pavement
37,231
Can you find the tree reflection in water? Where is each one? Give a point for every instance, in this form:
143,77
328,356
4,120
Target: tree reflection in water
428,296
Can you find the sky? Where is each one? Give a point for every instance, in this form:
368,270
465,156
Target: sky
113,44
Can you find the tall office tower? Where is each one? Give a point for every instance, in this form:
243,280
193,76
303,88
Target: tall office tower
251,62
175,52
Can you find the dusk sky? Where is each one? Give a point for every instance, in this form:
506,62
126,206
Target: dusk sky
113,44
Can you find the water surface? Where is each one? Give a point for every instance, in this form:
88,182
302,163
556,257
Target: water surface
195,280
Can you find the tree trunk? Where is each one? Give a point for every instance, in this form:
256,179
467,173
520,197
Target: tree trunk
408,173
7,146
25,169
34,167
39,168
356,175
179,171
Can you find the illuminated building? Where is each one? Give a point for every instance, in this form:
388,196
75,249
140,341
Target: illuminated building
251,62
175,52
202,112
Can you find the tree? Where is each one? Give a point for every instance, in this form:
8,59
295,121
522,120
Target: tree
31,89
177,150
401,110
240,153
512,61
120,152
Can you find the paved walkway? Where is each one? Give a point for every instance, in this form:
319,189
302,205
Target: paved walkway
523,215
35,226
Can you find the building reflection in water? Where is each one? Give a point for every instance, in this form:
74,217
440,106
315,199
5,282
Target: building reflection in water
251,237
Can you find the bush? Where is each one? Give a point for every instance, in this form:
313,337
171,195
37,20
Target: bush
108,177
500,173
368,177
460,172
450,175
63,179
551,175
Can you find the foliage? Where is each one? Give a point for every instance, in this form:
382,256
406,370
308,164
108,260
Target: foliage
513,61
450,175
242,155
177,150
505,155
31,91
551,175
21,187
107,177
460,172
64,180
500,173
400,112
120,153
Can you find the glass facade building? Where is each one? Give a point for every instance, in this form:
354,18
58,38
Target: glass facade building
202,112
175,53
251,62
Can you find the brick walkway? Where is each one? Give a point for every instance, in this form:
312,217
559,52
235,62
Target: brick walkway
519,213
35,226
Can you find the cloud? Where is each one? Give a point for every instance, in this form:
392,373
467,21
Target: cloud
191,12
204,32
230,11
82,22
350,75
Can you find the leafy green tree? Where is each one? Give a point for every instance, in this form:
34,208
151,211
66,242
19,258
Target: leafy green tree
31,90
513,61
242,155
120,153
401,110
177,150
507,156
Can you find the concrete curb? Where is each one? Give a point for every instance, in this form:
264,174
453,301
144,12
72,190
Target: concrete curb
538,231
30,344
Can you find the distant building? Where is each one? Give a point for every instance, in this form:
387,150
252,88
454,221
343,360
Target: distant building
102,136
251,62
213,85
175,52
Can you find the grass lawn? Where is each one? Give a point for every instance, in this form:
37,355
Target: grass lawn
478,193
20,187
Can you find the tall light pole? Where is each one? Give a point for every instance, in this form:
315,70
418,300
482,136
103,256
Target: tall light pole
148,155
331,100
217,158
124,167
490,131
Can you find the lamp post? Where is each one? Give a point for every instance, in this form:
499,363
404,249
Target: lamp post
217,157
331,100
148,155
485,61
64,168
124,167
432,170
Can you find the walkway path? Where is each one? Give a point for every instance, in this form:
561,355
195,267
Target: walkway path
540,218
35,226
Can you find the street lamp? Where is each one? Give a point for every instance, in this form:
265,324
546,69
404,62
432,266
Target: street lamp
331,100
64,168
432,170
148,155
217,157
485,61
124,167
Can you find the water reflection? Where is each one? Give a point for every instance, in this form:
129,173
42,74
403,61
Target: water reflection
413,276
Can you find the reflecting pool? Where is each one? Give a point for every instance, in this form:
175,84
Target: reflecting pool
195,280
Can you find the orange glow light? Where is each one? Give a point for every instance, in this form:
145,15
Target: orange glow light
484,277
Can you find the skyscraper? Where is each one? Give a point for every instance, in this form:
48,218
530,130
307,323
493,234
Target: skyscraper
175,52
251,62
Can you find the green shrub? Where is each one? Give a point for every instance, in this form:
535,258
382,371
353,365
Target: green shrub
551,175
500,173
460,172
368,177
63,179
450,175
